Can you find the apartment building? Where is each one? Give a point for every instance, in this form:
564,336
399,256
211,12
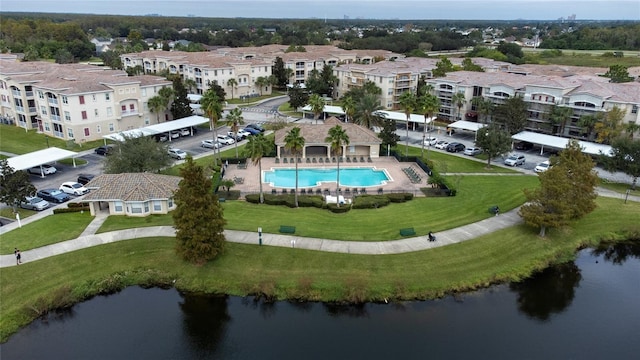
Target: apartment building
399,75
75,102
205,68
584,94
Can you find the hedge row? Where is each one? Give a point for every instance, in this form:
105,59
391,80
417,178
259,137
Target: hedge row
360,201
71,209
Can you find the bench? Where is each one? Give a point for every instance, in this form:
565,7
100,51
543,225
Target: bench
492,209
222,199
287,229
407,232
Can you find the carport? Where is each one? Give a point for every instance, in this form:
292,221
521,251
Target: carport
327,109
402,117
468,126
39,158
156,129
559,143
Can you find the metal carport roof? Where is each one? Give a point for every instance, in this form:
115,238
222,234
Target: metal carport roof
558,142
40,157
467,125
400,116
164,127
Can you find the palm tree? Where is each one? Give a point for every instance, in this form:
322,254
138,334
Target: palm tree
631,128
559,116
428,104
317,106
156,105
213,109
407,102
288,73
261,82
459,99
484,107
367,111
255,149
190,84
349,108
232,83
294,142
337,137
236,119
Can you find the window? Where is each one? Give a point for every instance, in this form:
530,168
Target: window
215,72
170,203
117,206
146,206
143,92
132,107
81,97
123,108
390,92
111,127
136,208
107,97
67,116
65,100
634,109
146,120
70,133
95,112
43,109
98,129
157,205
47,128
109,111
94,97
41,95
87,132
84,115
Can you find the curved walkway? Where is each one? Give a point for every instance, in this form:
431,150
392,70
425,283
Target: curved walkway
448,237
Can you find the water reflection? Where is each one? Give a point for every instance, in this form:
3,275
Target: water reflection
205,320
619,252
548,292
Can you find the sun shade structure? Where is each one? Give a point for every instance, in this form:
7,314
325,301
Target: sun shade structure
156,129
559,143
400,116
40,157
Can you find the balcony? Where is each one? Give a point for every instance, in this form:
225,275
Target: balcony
53,101
29,93
16,93
55,117
129,113
20,109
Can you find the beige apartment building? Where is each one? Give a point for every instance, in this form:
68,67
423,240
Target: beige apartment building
75,102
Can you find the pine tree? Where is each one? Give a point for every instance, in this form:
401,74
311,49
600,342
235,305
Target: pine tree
180,107
566,191
198,217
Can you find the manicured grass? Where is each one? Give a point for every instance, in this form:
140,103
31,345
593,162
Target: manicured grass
8,213
620,187
49,230
114,223
507,255
254,100
448,163
18,141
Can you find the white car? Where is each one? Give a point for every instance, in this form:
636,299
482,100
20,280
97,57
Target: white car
430,141
515,160
210,144
34,203
185,132
73,188
472,151
542,167
46,170
441,144
225,140
174,134
177,154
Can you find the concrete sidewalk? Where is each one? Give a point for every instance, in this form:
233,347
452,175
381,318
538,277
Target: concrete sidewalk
448,237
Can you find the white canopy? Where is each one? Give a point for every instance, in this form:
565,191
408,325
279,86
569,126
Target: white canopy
37,158
558,142
164,127
329,109
467,125
400,116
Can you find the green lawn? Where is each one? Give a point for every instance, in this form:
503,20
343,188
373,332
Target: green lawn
620,187
18,141
507,255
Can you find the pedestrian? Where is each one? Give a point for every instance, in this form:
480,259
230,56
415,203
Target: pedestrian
431,236
497,210
18,256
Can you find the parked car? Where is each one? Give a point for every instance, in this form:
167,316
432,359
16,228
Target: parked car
34,203
252,131
177,154
174,134
441,144
185,132
542,167
256,127
242,134
162,137
210,144
472,151
73,188
46,170
225,140
455,147
514,160
85,178
104,150
524,145
430,141
53,195
234,136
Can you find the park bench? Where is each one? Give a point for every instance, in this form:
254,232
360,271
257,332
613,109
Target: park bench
285,229
407,232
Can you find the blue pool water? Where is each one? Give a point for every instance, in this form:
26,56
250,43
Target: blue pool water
355,177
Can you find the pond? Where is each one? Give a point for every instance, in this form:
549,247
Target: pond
586,309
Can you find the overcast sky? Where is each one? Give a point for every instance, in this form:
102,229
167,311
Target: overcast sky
338,9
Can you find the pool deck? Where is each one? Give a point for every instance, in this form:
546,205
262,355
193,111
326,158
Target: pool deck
399,180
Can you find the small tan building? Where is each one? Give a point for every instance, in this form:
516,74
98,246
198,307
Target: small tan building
132,194
362,141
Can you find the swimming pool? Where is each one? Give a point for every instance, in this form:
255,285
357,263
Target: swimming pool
310,177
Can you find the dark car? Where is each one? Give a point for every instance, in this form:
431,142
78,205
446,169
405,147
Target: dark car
524,145
85,178
455,147
256,127
252,131
53,195
104,150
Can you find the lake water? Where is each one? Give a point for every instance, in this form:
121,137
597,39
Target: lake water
587,309
310,177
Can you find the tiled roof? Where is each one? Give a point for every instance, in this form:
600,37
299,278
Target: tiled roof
132,187
316,134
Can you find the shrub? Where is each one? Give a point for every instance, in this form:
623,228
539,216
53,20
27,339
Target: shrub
71,209
399,197
370,201
253,198
338,210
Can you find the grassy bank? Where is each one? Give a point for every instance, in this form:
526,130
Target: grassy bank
18,141
278,273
